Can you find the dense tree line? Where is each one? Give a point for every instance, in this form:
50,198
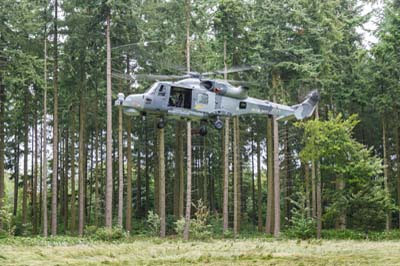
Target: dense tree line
69,159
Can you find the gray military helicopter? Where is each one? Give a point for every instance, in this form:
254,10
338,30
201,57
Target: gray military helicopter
196,97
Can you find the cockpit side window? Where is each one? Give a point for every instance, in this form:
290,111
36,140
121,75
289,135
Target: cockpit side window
152,89
161,91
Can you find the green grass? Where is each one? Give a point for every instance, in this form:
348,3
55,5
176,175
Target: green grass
153,251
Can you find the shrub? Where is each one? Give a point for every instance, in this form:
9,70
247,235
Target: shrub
105,234
8,223
302,226
153,223
199,227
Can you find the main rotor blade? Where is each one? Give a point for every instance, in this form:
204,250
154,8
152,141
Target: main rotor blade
159,77
234,69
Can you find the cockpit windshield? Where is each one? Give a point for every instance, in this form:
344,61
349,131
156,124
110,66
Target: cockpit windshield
152,89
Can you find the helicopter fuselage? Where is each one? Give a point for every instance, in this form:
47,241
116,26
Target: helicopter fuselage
195,99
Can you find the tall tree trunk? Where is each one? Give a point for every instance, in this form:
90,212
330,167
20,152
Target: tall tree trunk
236,182
398,170
65,198
54,179
226,175
161,168
139,175
26,153
189,181
288,179
307,186
146,171
156,162
340,222
277,206
44,144
270,178
109,179
128,222
98,165
2,145
16,171
253,185
178,212
386,169
73,194
35,177
82,165
318,190
120,169
259,188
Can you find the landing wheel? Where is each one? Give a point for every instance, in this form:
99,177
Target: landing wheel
218,124
203,130
161,123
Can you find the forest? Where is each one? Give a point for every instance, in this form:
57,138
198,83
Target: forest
73,165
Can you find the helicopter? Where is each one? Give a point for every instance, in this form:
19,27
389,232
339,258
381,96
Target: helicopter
195,97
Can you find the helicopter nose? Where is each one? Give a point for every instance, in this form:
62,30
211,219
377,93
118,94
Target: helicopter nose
133,102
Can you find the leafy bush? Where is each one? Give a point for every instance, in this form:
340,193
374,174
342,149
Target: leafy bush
7,220
105,234
302,226
199,226
153,223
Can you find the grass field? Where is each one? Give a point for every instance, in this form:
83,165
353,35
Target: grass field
215,252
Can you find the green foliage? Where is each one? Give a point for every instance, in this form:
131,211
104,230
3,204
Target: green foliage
105,234
7,221
301,224
199,225
153,223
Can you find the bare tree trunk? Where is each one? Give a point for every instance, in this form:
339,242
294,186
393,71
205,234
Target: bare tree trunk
277,207
398,170
120,169
386,169
270,178
146,170
178,212
236,184
73,194
35,177
16,172
2,145
26,153
253,185
307,186
109,178
82,138
226,175
128,222
156,161
54,179
162,181
189,181
313,190
139,175
259,188
98,165
44,146
318,190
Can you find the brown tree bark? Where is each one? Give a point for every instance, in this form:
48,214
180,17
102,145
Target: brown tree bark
236,184
277,206
73,193
120,169
226,175
26,153
109,178
44,145
2,145
35,176
270,178
178,205
386,169
54,179
82,164
128,222
97,171
161,168
259,188
139,175
318,190
189,181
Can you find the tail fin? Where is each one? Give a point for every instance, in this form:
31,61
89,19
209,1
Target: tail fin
307,107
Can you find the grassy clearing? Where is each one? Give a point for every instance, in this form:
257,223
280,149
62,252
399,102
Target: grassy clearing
216,252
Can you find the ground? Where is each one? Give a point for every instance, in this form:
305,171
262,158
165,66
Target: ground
215,252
